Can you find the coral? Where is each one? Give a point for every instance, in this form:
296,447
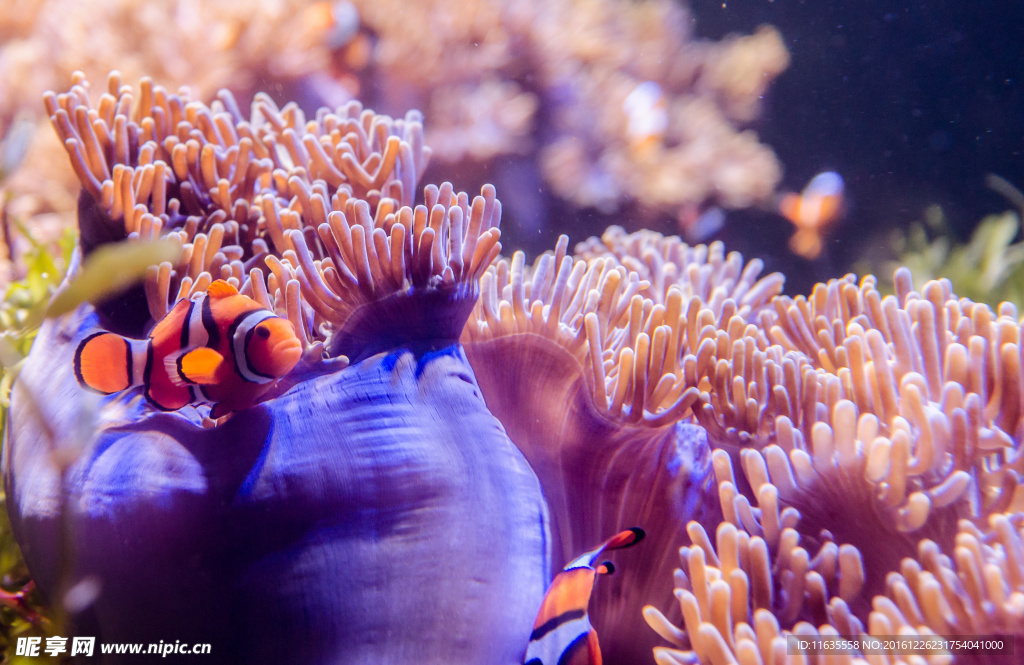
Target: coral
734,598
905,407
604,347
498,78
214,46
902,410
235,45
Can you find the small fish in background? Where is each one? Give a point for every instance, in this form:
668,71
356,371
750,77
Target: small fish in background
219,348
812,210
338,21
351,49
562,634
343,35
698,226
646,111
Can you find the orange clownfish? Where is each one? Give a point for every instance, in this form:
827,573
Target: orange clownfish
218,348
646,110
820,203
562,634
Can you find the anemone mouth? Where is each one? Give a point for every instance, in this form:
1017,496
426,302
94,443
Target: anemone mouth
432,317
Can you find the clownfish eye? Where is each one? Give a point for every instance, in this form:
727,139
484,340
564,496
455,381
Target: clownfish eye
263,332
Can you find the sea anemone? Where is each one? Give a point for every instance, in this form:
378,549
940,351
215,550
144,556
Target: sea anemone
888,435
463,423
377,506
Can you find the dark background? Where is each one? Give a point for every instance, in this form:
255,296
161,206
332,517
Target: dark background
913,103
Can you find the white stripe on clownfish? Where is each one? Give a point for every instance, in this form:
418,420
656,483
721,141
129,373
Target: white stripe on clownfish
196,334
139,349
646,110
242,328
561,639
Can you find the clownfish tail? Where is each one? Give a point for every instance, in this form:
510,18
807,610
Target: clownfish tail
105,362
624,539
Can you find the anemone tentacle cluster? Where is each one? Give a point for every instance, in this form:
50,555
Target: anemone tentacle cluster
835,464
850,414
274,204
365,465
901,412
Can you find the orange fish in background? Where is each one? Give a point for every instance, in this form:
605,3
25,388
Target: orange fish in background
562,634
219,348
812,210
340,29
646,109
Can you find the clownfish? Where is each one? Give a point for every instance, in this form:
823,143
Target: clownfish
562,634
338,22
646,112
219,348
820,203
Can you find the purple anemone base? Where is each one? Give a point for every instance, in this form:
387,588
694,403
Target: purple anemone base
373,514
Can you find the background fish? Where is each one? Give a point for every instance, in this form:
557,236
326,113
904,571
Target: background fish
812,210
646,111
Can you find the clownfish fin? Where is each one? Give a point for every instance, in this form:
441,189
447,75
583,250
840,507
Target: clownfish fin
173,375
593,648
626,538
189,367
605,568
104,362
789,207
806,243
199,366
221,289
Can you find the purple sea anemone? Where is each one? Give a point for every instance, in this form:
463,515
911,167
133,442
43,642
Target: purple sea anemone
368,512
462,424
